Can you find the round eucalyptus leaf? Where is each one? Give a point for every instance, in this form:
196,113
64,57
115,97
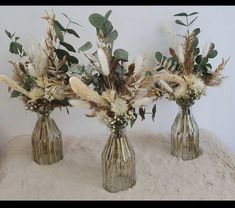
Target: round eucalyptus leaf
97,20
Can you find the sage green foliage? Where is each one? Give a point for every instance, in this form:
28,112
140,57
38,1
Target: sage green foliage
201,64
15,47
107,35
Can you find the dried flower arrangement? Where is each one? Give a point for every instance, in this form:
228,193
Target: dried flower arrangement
185,75
110,86
41,75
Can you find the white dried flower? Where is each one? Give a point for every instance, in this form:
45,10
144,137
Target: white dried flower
198,84
36,93
35,61
119,106
57,92
138,65
103,61
142,101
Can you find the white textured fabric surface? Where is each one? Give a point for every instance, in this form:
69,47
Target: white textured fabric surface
79,176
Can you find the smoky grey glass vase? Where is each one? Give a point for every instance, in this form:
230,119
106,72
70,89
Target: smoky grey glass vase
185,135
118,161
46,139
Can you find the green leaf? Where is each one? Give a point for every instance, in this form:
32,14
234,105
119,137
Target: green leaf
56,22
196,51
192,20
142,113
76,23
17,38
73,59
108,14
195,42
97,20
209,66
75,69
196,31
181,14
121,54
154,109
8,34
193,13
180,22
15,48
204,61
212,54
73,32
158,57
61,53
148,74
58,32
198,59
85,47
64,68
66,16
132,121
14,94
68,46
107,27
111,37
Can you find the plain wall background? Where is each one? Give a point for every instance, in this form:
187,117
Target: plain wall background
141,31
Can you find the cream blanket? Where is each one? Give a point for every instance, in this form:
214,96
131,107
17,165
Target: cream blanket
79,175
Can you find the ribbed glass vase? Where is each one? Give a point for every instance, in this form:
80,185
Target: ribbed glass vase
118,161
46,141
185,135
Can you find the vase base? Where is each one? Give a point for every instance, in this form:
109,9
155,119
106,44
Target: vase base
115,189
189,156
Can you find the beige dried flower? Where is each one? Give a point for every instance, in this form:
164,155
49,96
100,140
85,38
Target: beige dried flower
119,106
36,93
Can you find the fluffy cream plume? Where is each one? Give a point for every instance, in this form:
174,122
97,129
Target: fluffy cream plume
169,77
206,50
83,91
36,60
170,36
164,85
13,85
142,101
138,64
103,61
79,103
181,54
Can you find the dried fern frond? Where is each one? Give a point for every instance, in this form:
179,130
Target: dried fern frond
188,54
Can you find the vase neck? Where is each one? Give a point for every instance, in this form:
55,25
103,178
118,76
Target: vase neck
43,115
185,109
118,131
